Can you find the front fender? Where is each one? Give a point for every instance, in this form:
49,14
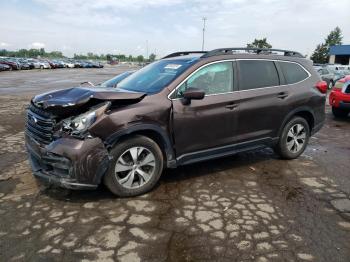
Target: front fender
137,128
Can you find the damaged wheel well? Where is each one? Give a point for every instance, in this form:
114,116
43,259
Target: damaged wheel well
155,133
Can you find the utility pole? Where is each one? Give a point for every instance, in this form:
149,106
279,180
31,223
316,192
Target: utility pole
204,19
146,49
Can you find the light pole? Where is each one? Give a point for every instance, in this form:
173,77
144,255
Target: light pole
204,19
146,49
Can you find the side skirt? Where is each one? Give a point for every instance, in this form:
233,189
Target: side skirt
223,151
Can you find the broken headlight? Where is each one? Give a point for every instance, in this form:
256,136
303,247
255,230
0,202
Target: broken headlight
79,125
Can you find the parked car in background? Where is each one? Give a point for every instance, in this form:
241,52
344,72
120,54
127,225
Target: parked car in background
327,76
44,65
78,64
13,65
51,63
339,98
332,73
86,64
25,61
35,64
59,63
185,108
4,67
69,64
97,64
23,64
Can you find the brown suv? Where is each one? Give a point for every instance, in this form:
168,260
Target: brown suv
185,108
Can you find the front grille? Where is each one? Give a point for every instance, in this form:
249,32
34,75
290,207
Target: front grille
39,125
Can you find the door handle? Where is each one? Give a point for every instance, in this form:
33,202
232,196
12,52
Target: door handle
282,95
231,106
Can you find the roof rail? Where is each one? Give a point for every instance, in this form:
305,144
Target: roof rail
184,53
263,51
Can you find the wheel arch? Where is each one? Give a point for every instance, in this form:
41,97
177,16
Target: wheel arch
304,112
152,131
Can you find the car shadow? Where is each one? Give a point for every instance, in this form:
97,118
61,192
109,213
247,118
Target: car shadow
169,176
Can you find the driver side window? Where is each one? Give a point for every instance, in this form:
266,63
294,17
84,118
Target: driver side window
213,79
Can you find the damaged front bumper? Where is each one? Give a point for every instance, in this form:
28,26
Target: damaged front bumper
69,162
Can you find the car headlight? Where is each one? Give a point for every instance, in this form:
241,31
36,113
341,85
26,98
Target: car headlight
79,125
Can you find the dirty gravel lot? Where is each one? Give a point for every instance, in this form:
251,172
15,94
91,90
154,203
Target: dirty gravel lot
248,207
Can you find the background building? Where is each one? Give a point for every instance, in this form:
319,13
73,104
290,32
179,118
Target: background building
339,54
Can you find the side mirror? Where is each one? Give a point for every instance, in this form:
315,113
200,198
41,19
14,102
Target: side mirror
192,93
87,83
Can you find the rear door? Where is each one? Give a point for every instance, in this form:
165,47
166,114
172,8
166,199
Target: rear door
261,105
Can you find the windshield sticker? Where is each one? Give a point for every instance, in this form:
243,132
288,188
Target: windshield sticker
172,66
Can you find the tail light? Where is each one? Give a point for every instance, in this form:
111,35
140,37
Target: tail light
322,86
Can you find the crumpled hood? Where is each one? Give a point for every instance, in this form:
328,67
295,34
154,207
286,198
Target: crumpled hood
78,96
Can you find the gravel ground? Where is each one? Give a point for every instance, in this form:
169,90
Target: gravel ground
248,207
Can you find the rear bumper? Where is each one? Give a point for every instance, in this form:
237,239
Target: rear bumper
68,162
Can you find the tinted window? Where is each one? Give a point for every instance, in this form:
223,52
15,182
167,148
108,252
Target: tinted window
293,72
257,74
213,79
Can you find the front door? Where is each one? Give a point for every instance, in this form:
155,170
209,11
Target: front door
210,122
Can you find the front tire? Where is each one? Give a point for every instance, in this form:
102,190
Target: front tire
340,113
294,138
136,167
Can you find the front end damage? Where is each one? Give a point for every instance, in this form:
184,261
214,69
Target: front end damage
60,147
69,162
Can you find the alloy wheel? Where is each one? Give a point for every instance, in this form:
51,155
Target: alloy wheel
296,137
135,167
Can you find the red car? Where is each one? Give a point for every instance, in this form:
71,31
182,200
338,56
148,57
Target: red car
339,98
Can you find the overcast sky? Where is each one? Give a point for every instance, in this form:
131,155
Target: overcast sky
125,26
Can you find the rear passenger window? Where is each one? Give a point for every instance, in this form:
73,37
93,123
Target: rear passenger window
257,74
293,72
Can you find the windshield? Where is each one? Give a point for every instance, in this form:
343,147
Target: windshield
153,78
115,80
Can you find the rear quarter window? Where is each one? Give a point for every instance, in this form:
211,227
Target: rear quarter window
257,74
293,72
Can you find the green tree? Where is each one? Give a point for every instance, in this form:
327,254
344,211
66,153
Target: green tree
140,58
335,37
259,43
320,55
152,57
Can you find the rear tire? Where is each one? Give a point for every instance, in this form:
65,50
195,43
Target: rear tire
294,138
340,113
136,167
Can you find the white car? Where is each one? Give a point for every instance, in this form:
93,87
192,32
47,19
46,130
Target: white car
44,65
69,64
